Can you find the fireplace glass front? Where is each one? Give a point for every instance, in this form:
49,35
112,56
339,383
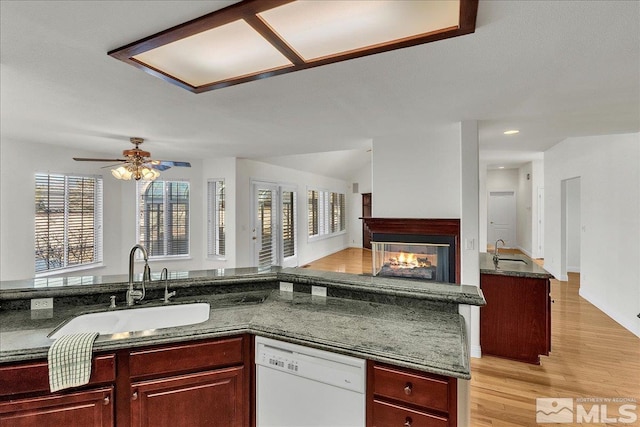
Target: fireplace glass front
423,261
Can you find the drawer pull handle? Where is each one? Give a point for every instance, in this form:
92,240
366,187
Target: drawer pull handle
106,401
407,422
408,389
134,396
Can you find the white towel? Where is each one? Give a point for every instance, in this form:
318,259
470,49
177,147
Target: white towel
70,360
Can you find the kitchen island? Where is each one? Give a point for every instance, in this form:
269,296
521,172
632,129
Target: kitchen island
516,322
389,322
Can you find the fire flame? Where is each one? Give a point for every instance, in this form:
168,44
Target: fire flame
408,260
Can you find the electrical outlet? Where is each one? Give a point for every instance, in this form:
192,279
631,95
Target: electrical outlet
319,291
42,304
286,287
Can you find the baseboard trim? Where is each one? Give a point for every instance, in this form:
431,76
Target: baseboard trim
573,269
476,352
563,278
630,324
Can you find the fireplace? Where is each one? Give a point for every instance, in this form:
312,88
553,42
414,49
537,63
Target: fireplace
416,248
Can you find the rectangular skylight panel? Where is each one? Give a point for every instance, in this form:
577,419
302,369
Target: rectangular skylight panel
323,28
229,51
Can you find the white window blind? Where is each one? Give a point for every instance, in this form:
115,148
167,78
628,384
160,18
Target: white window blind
326,213
163,217
216,218
68,221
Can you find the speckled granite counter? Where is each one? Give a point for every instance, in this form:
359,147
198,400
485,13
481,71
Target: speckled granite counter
422,332
522,267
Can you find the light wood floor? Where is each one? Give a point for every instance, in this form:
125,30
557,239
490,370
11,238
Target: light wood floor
591,357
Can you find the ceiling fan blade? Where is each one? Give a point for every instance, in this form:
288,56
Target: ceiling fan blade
85,159
163,165
110,166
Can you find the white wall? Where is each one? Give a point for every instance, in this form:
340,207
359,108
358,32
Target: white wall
363,178
502,179
610,214
523,209
248,171
417,176
354,224
537,221
573,224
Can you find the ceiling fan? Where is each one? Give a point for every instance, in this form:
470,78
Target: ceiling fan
137,164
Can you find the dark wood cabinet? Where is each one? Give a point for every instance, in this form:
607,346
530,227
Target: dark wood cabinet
207,399
516,322
198,383
90,408
404,397
25,399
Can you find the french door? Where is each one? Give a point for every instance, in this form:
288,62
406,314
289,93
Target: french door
274,225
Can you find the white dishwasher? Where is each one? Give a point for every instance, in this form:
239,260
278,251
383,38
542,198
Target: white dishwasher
298,386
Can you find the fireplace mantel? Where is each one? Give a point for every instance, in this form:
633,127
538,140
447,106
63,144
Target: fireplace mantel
419,226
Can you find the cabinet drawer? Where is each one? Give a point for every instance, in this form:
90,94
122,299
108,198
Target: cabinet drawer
387,414
424,390
33,377
175,358
91,408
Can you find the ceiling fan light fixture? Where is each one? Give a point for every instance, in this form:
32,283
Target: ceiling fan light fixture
121,173
148,174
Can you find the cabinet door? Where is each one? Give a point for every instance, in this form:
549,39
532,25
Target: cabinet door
92,408
207,399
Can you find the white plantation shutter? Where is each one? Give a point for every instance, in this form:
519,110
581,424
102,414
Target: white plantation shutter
265,219
68,221
216,238
289,223
163,217
326,213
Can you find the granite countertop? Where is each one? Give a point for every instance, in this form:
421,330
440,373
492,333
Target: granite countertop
523,266
411,336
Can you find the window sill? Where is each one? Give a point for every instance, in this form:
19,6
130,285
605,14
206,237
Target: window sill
217,258
68,270
311,239
169,258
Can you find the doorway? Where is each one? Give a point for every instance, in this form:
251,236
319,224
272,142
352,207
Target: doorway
366,213
571,227
274,225
501,215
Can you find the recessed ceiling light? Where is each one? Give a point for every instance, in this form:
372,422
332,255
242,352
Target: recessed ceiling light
500,167
511,132
254,39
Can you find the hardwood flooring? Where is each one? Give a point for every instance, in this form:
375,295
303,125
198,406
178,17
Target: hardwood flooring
592,356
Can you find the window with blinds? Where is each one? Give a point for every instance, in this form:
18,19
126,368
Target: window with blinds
68,222
215,215
326,213
163,217
288,223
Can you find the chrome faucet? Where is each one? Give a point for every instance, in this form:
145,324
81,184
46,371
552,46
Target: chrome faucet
138,295
496,256
167,294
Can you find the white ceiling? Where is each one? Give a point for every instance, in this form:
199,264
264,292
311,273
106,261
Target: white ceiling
552,69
